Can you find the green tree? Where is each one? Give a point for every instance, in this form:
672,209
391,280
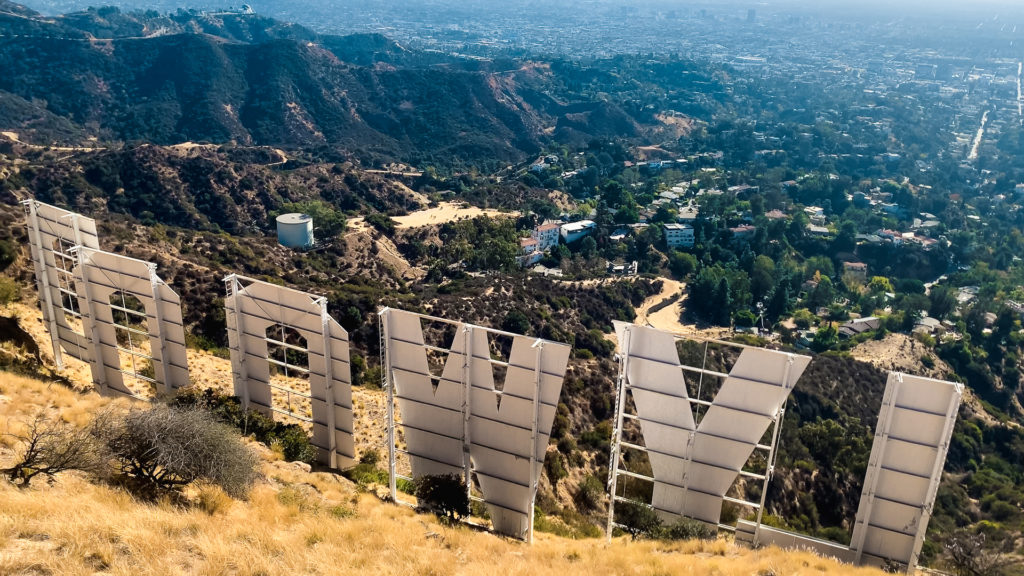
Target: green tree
820,264
614,194
328,220
681,264
639,520
516,321
723,303
880,284
823,294
942,302
762,277
826,337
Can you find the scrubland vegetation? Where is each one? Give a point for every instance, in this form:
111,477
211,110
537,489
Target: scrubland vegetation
295,522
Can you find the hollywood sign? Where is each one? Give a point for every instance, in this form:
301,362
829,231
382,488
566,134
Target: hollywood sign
479,403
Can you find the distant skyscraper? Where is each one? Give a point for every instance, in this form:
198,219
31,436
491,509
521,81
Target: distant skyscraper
751,15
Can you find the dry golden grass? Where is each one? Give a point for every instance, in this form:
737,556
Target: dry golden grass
297,522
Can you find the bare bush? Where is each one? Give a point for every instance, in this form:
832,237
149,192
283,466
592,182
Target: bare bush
971,555
48,447
163,449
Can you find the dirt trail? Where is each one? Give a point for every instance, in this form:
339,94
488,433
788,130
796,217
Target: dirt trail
668,319
669,289
405,174
14,137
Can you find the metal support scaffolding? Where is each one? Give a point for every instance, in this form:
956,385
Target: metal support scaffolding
235,330
90,325
467,409
53,235
267,323
164,366
332,438
534,472
871,481
45,292
620,409
773,453
384,320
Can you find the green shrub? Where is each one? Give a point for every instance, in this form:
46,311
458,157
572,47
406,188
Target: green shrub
8,254
9,291
599,437
381,222
364,475
566,444
639,521
554,466
589,494
689,529
293,443
341,511
444,495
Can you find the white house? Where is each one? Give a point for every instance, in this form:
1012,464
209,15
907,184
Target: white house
576,230
688,213
679,235
816,214
529,254
546,236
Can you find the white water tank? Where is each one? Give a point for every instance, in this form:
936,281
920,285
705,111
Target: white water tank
295,230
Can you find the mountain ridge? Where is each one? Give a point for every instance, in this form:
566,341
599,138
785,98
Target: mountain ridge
242,78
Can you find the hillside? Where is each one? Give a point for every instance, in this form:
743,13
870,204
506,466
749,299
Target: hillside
299,522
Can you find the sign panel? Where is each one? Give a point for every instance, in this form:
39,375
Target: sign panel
252,307
695,464
463,421
143,342
912,437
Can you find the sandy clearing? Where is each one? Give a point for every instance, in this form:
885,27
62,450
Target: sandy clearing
668,318
192,145
446,212
902,353
669,288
